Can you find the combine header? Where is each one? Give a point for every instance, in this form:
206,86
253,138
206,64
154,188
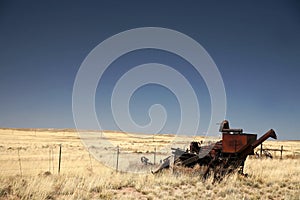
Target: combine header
219,159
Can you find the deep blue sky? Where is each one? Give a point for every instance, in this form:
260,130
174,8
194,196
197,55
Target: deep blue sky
256,47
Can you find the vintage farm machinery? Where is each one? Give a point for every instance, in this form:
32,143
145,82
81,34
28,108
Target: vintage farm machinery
220,158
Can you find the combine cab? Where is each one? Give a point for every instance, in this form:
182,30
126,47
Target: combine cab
223,157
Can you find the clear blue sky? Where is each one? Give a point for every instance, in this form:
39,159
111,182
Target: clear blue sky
256,47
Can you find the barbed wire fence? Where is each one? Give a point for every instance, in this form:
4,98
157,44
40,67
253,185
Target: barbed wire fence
58,158
279,152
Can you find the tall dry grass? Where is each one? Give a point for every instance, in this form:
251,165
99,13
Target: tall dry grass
83,177
268,179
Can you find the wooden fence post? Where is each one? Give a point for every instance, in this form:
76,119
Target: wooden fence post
91,166
59,159
154,155
118,151
49,160
20,164
281,151
52,159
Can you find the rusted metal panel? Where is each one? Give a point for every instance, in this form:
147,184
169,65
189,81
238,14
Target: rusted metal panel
233,143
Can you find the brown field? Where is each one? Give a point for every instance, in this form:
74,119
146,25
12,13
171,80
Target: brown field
29,169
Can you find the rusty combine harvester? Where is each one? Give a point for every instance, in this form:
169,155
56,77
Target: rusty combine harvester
219,159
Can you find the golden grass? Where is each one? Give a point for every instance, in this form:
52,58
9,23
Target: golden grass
83,177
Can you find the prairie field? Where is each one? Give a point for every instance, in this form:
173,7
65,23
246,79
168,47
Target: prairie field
31,167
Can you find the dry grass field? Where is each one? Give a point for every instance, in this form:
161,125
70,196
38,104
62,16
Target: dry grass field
29,169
